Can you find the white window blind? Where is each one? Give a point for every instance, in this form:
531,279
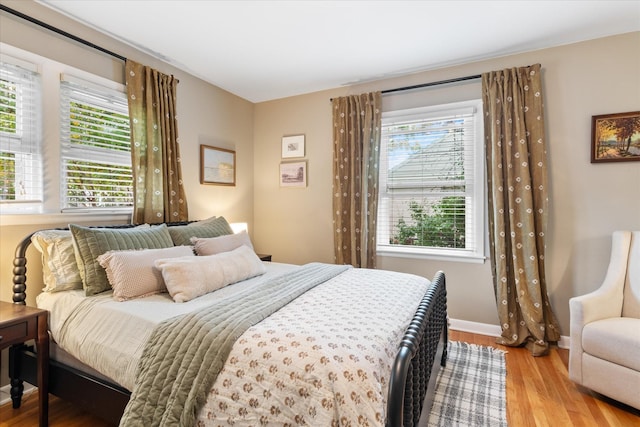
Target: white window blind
431,181
96,148
20,135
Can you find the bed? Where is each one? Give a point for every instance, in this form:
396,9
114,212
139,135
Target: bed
317,344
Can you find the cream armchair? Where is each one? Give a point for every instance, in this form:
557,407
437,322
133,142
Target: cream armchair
605,327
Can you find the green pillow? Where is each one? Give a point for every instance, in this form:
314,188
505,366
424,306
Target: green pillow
90,243
182,234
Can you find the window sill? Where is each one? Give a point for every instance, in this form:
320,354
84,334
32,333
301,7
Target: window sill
405,252
64,218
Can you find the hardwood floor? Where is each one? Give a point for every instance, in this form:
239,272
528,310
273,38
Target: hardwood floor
539,393
61,414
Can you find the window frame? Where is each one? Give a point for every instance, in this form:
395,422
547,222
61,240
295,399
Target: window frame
49,211
25,142
106,95
477,202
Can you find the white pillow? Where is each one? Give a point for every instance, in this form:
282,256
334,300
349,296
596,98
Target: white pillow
131,273
216,245
59,267
190,277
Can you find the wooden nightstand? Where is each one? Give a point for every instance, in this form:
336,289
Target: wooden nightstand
264,257
18,324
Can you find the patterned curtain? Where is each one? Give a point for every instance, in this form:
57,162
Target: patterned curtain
356,156
517,187
158,193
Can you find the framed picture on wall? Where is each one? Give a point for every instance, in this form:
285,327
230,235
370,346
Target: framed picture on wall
615,137
293,174
217,166
292,146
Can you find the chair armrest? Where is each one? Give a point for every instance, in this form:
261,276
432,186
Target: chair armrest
597,305
606,301
600,304
603,303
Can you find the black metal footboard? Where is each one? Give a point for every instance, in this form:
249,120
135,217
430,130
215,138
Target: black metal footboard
415,369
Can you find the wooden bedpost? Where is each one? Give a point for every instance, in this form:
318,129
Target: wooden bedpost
20,272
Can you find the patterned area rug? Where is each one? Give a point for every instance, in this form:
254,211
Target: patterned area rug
471,389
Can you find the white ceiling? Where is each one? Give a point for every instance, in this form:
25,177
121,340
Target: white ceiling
263,50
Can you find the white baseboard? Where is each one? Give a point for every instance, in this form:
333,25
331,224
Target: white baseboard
491,330
565,342
5,392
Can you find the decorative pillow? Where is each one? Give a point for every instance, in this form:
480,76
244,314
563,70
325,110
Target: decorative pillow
181,234
190,277
90,243
59,267
132,273
216,245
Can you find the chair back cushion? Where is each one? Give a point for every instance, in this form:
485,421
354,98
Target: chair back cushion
631,302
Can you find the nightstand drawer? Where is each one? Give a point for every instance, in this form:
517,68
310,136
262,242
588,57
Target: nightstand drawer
13,333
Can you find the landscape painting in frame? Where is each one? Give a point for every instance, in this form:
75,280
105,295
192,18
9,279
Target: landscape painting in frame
217,166
615,137
293,174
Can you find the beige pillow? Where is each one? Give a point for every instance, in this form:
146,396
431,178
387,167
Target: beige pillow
59,267
132,274
190,277
216,245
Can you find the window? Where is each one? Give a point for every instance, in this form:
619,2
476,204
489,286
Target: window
431,182
20,136
96,150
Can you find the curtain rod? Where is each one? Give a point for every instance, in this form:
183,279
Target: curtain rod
61,32
418,86
441,82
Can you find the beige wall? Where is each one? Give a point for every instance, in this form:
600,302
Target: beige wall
588,201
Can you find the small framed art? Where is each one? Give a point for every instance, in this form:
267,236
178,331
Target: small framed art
292,146
217,166
293,174
615,137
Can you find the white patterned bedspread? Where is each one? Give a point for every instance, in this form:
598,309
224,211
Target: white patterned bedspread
322,360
